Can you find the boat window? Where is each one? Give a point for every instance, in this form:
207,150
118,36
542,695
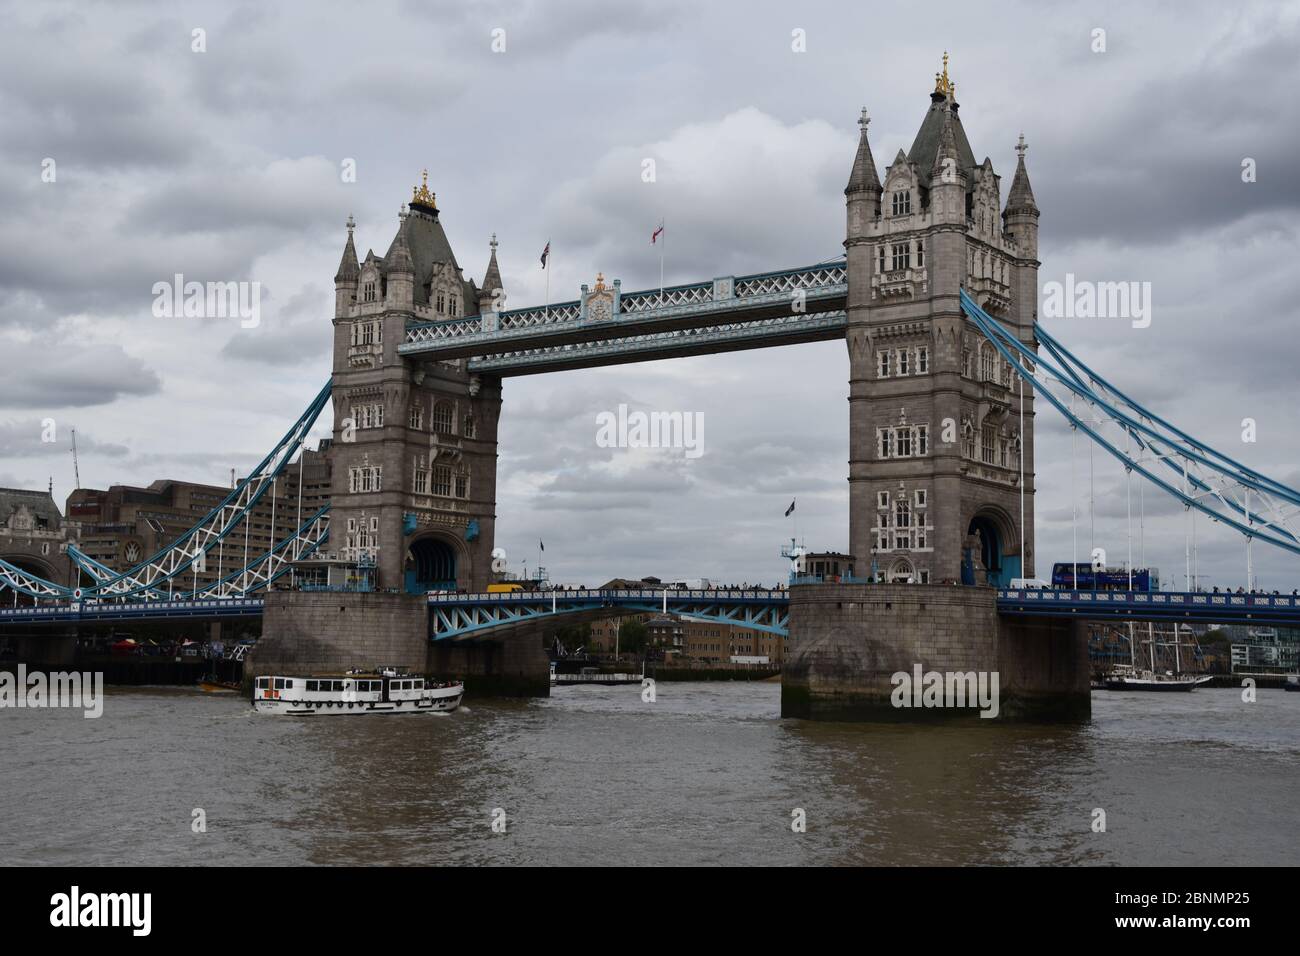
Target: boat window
338,685
311,686
281,683
263,682
419,684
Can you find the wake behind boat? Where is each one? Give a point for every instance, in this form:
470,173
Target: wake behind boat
385,690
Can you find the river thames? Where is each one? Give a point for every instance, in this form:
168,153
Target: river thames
706,774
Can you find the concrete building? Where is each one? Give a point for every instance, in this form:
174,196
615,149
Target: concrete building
934,416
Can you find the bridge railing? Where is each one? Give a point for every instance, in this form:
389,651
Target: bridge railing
608,594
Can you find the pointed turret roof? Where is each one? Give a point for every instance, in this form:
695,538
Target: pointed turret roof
492,278
1021,197
947,148
398,256
348,267
863,176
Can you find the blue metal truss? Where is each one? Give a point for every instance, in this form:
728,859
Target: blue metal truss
1211,482
1191,606
14,578
468,615
209,532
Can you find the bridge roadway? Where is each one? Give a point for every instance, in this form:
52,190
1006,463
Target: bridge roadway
453,615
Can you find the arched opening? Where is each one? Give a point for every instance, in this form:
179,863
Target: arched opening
430,566
31,565
902,572
988,551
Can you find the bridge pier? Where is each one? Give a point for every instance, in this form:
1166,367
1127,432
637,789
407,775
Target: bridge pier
306,632
514,666
848,640
45,648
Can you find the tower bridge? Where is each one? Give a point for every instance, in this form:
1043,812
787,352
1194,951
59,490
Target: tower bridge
936,301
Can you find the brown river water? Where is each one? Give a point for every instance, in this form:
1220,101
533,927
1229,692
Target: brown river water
706,774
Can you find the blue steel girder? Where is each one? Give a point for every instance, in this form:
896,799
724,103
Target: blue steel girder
14,578
678,343
210,531
820,288
469,615
1211,482
1281,610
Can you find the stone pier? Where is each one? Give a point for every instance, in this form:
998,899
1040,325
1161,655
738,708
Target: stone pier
306,632
848,640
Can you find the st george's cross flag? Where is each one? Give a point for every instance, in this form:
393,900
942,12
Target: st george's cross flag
657,233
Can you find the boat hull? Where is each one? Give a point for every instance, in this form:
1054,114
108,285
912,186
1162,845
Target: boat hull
1164,686
339,708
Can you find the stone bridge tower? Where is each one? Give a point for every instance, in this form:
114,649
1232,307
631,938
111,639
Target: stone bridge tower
934,416
415,441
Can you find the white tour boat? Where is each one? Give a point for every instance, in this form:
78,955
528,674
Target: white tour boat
385,690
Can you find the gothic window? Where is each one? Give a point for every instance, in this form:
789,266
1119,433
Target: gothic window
416,418
467,426
988,444
920,253
902,514
442,301
884,358
442,417
453,307
904,362
903,442
968,441
902,256
882,499
967,368
420,479
462,486
920,494
880,258
368,292
922,446
923,360
442,481
988,367
902,202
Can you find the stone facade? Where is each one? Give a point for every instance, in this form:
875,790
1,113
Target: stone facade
935,416
312,632
847,641
415,441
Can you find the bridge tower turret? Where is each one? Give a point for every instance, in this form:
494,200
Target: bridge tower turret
345,280
934,416
414,450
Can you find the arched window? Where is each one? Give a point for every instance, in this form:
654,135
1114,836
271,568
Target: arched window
988,366
442,481
442,301
467,426
442,418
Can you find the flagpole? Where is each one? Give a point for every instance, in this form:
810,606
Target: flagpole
546,266
663,234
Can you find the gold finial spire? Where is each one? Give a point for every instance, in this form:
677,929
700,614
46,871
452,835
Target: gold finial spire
421,195
941,82
600,282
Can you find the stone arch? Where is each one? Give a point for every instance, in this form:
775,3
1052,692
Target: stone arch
32,564
901,572
435,561
991,550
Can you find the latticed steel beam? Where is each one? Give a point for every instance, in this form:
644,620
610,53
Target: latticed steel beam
273,564
14,578
181,554
467,615
1204,479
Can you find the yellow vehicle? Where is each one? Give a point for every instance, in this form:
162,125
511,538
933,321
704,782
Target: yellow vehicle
504,588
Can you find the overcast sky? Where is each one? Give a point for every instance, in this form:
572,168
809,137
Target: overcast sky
225,165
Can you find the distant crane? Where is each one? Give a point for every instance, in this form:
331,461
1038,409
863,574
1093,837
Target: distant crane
76,467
